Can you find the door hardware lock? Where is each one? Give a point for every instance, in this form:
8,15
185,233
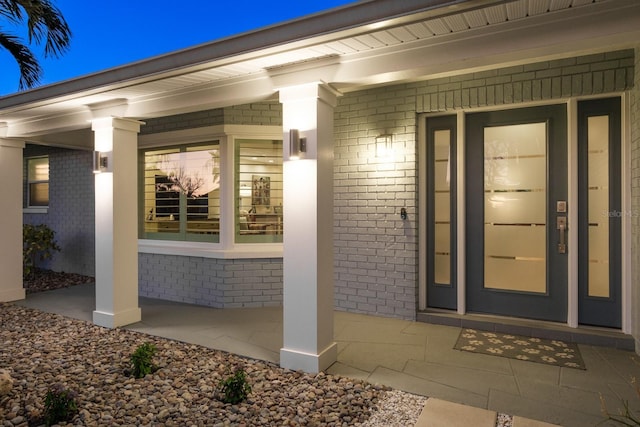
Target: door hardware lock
561,206
562,228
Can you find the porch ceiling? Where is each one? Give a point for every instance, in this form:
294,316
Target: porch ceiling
359,45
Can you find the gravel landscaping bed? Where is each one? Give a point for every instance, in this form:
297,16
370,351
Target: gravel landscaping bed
47,280
41,349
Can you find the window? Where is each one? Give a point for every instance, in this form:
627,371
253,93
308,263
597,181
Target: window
258,190
38,182
181,193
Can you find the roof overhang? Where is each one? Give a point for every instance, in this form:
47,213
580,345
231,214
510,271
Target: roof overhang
360,45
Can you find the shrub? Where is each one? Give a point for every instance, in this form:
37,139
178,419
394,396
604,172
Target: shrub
142,360
59,405
235,388
38,242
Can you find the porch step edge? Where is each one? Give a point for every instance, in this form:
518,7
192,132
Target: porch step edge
531,328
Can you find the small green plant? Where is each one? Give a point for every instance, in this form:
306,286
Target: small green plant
235,388
38,242
624,417
59,404
142,360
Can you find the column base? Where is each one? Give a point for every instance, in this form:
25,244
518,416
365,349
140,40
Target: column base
15,294
308,362
113,320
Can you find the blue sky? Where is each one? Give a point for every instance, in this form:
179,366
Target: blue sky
115,32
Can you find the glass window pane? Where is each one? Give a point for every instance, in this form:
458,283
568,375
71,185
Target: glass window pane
258,191
39,194
182,193
515,171
598,201
38,169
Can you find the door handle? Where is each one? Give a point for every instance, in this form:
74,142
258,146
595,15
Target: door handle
562,227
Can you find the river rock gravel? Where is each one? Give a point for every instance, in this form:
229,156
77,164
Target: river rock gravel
40,349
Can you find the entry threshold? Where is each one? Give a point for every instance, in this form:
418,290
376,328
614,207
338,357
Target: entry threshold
530,328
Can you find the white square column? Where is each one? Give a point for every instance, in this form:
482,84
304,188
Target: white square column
308,297
11,285
116,207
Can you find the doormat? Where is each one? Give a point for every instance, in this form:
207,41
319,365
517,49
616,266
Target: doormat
548,352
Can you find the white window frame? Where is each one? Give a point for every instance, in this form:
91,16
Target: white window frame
226,248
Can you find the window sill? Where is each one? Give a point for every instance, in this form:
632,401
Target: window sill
36,210
209,250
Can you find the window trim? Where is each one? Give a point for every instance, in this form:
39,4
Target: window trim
226,248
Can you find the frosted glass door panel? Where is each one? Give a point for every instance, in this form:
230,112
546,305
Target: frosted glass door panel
519,173
442,237
515,208
515,200
515,275
598,202
442,208
530,243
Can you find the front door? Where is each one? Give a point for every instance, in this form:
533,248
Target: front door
516,212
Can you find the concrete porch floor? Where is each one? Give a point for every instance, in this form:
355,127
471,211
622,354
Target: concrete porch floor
411,356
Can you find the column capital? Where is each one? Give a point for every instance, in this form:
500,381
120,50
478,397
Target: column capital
116,123
11,143
316,90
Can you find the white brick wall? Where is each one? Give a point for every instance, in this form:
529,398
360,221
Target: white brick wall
376,251
216,283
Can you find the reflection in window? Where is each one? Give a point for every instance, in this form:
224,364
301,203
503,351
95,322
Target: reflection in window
258,191
38,181
182,193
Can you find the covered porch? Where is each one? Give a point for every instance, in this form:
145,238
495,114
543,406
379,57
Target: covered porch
415,357
307,66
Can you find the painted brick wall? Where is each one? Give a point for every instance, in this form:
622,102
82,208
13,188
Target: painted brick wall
183,121
216,283
376,253
71,208
584,75
376,270
635,199
265,113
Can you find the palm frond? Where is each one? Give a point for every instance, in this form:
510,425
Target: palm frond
45,21
30,70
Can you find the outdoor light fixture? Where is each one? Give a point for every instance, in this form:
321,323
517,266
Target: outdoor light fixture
384,145
297,145
100,162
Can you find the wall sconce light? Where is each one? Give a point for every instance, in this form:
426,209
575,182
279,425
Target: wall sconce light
297,145
100,162
384,145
